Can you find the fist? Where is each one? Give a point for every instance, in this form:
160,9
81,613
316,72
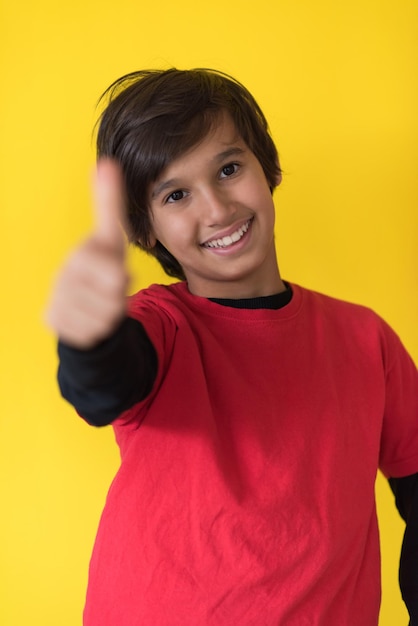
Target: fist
89,297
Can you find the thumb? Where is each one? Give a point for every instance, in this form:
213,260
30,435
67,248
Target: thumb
109,200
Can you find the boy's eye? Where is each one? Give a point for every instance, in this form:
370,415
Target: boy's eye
176,196
229,169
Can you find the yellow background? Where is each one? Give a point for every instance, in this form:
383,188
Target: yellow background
338,83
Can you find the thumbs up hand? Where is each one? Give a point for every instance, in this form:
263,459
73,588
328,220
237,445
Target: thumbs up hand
88,301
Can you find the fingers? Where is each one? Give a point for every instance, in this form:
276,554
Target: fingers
109,197
89,297
88,300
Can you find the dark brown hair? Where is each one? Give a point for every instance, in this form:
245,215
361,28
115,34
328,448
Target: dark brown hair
154,116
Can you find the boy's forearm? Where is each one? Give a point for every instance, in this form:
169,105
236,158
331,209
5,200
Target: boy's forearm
406,494
108,379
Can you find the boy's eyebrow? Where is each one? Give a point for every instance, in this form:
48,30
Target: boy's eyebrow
174,182
234,151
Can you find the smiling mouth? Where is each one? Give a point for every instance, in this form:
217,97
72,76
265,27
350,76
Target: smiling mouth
229,240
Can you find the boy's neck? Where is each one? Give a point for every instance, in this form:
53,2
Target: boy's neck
264,282
231,291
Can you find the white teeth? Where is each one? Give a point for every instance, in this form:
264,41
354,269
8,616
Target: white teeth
229,239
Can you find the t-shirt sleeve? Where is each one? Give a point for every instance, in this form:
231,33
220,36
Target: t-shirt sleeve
103,382
399,440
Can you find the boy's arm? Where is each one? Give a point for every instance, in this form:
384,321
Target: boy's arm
406,496
107,361
111,377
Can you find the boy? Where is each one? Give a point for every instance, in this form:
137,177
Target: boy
252,414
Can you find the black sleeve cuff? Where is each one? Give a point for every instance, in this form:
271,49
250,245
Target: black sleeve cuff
104,381
406,495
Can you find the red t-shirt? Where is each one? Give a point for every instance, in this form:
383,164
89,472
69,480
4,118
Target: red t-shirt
246,488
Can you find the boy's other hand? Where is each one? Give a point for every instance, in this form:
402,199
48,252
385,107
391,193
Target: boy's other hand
88,300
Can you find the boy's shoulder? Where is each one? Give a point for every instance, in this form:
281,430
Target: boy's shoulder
167,302
356,322
158,294
342,311
322,301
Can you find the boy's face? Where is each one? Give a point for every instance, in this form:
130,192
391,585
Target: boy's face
212,209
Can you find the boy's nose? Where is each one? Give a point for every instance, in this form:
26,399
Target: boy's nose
218,207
